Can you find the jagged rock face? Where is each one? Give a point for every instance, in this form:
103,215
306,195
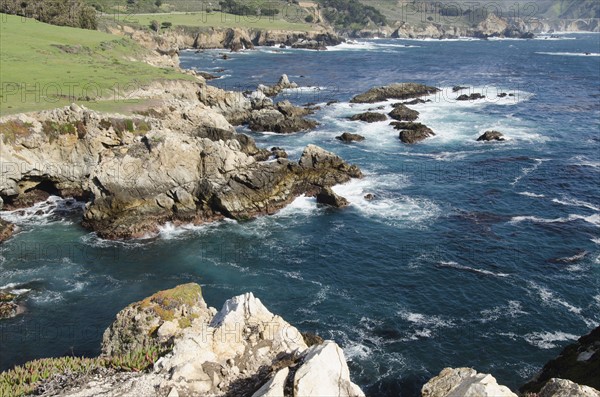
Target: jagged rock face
328,197
6,230
243,350
578,362
158,318
464,382
394,91
565,388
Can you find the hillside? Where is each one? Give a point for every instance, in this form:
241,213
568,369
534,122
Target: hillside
45,66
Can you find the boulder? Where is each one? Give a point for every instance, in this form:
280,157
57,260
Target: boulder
155,320
412,132
6,230
349,137
275,121
403,113
324,372
327,196
394,91
464,382
289,110
282,84
491,136
578,362
11,304
369,117
279,153
565,388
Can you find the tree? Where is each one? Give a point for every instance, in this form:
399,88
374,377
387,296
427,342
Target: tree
167,25
309,19
155,25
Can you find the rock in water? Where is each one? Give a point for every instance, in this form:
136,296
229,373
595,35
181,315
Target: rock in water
403,113
412,132
6,230
565,388
464,382
578,362
394,91
349,137
491,136
328,197
472,97
369,117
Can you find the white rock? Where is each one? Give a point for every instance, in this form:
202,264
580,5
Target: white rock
565,388
464,382
324,372
275,386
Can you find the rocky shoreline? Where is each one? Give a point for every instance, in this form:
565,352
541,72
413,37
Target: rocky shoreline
187,348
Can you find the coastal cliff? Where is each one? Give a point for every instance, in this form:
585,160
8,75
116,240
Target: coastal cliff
180,162
241,350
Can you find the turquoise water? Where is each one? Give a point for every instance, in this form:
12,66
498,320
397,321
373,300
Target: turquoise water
472,254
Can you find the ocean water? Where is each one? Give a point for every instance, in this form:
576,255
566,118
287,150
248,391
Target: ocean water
472,254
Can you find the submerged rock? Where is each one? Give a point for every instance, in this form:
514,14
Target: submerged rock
349,137
491,136
369,117
328,197
412,132
403,113
394,91
464,382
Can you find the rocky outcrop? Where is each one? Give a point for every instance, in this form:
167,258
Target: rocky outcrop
6,230
464,382
350,137
491,136
473,97
578,362
565,388
412,132
11,301
394,91
242,350
369,117
328,197
181,163
275,121
282,84
403,113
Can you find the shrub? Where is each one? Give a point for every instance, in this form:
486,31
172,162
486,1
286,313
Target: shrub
309,19
74,13
14,129
154,25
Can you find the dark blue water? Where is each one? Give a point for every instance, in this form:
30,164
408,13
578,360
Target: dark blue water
457,262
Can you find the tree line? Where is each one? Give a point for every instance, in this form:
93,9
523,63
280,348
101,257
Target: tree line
74,13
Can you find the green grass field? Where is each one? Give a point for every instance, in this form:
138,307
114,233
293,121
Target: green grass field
292,21
44,66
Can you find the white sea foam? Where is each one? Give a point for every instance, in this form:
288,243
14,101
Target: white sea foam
13,288
547,340
550,299
576,203
511,310
570,54
454,265
592,219
424,326
44,212
528,170
586,162
550,38
394,209
529,194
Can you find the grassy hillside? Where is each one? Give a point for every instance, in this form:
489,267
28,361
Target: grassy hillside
215,19
45,66
471,12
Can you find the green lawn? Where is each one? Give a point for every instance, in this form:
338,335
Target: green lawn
44,66
217,19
